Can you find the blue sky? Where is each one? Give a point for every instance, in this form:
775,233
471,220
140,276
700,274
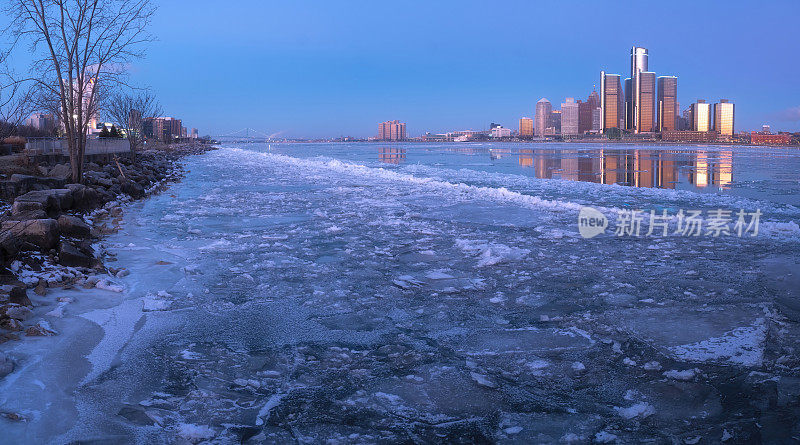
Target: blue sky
331,68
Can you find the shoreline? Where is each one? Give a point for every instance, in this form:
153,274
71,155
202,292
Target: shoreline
60,259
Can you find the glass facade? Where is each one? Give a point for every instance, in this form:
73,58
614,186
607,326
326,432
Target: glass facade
612,101
667,103
526,127
543,111
701,115
647,102
723,118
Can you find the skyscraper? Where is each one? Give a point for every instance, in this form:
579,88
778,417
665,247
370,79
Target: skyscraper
667,103
612,103
724,117
585,111
701,116
526,127
646,117
569,117
543,111
634,100
392,131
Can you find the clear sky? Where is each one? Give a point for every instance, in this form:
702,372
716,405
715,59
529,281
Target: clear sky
330,68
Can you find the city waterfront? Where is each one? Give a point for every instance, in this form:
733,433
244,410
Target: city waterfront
363,293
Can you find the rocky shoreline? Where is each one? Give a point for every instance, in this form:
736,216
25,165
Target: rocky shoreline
50,231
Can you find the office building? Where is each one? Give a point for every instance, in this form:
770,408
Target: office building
667,103
543,111
633,88
569,117
162,128
701,116
553,124
646,102
612,102
526,127
586,112
392,131
42,122
498,131
723,117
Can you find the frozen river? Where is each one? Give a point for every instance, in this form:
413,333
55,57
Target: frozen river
438,293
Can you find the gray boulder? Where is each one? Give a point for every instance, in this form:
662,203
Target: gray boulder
132,188
61,171
52,201
69,255
42,233
83,197
70,225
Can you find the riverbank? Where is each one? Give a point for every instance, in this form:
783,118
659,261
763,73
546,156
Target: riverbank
51,231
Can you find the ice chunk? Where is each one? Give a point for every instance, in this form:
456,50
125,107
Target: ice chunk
641,410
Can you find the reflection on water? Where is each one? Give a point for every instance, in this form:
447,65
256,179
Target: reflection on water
392,155
632,167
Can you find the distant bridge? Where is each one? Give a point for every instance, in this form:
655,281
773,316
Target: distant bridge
247,135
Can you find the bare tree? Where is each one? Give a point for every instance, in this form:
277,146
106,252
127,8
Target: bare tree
130,111
79,47
15,101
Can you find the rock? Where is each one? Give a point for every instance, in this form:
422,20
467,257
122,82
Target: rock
134,189
40,329
25,216
42,233
73,226
6,365
69,255
25,183
41,288
84,198
25,206
42,170
11,324
52,201
16,312
62,171
19,295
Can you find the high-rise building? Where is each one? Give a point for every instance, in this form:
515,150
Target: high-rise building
525,127
553,124
633,97
667,103
701,116
42,121
646,115
597,116
585,112
723,117
543,111
392,131
569,117
162,128
612,102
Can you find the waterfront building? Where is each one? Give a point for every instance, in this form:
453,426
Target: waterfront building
553,124
597,116
162,128
688,136
765,129
569,117
724,117
585,112
667,103
543,111
765,138
701,116
612,102
498,131
392,131
646,114
526,127
633,88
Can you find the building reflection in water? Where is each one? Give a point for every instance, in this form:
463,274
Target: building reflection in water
392,155
632,167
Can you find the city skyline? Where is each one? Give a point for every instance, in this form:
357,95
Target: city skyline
287,68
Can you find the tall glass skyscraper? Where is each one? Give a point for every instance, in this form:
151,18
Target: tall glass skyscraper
543,111
612,102
646,117
639,58
723,117
701,116
667,103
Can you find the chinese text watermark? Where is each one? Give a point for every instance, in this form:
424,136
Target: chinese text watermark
687,223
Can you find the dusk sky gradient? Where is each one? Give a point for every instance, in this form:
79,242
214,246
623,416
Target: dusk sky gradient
333,68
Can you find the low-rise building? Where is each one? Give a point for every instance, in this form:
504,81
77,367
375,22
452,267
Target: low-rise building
688,136
770,139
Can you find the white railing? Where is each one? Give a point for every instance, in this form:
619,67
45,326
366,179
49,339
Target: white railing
94,146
